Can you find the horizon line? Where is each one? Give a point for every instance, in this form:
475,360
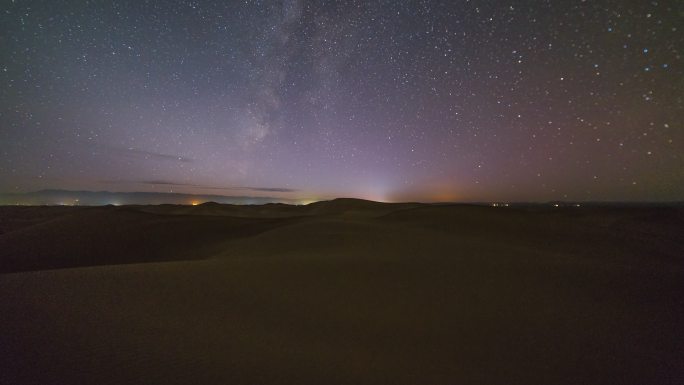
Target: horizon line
496,202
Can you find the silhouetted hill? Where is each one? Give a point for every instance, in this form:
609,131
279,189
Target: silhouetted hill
356,206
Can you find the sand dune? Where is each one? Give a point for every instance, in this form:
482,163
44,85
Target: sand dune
341,292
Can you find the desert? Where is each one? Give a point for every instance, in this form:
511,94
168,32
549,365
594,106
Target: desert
341,292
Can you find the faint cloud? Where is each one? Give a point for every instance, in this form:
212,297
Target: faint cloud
135,153
182,184
155,155
271,189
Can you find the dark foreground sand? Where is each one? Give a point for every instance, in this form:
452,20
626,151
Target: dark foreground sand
342,292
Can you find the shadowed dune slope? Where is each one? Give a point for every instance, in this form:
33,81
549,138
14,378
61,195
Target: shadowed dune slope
114,235
343,292
37,238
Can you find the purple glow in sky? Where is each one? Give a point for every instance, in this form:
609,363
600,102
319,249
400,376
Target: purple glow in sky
384,100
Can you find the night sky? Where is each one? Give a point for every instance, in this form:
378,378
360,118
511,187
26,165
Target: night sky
383,100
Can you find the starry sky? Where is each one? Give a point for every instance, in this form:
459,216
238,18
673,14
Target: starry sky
386,100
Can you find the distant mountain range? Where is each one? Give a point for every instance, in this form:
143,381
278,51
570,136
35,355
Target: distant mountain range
100,198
